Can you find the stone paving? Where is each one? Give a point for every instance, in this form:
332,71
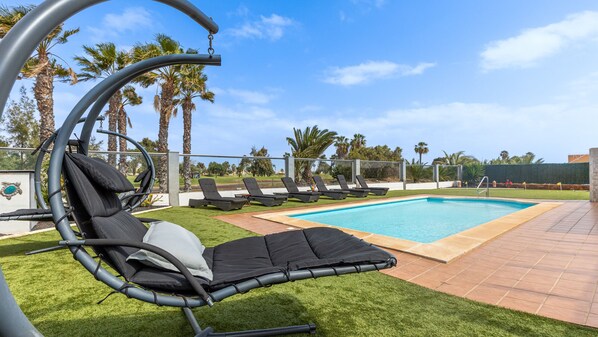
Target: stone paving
547,266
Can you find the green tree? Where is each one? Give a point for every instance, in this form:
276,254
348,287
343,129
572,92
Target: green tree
22,128
457,158
99,62
164,102
44,66
260,167
342,147
310,143
215,169
129,97
358,141
21,122
191,85
421,148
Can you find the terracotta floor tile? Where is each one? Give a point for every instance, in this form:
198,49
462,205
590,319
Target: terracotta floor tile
568,303
536,287
577,285
592,320
519,304
574,316
527,295
456,289
500,281
487,293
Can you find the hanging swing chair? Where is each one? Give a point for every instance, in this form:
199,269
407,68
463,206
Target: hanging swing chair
148,267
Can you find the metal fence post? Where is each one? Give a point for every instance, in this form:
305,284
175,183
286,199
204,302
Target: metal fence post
594,174
404,173
289,167
356,170
173,178
436,175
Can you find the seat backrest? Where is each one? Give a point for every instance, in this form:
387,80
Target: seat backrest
209,189
252,186
361,181
342,182
320,184
290,184
92,187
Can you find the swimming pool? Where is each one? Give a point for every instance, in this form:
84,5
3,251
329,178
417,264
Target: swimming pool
423,220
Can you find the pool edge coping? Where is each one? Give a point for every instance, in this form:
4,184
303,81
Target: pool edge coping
444,250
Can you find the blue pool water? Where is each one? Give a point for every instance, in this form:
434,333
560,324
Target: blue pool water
423,220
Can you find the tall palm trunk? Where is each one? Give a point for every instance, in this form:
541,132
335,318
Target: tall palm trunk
122,129
43,91
114,106
166,108
187,110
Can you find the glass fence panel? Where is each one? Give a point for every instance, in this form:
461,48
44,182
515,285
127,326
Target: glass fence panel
229,171
448,172
380,171
17,159
419,173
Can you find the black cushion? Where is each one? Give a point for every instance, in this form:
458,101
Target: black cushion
101,173
243,259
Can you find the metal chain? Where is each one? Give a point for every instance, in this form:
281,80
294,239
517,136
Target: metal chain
210,49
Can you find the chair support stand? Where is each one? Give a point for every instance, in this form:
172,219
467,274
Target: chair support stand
209,332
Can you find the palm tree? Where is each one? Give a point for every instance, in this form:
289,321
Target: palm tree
129,97
358,141
342,147
421,148
526,159
43,65
192,84
457,158
164,102
504,156
310,143
101,61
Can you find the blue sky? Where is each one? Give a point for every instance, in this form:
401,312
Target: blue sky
460,75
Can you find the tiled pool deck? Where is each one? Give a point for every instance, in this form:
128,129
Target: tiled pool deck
546,266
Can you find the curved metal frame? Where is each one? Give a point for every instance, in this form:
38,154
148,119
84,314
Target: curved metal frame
148,159
54,171
15,49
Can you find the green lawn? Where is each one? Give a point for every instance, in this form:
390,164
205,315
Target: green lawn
60,297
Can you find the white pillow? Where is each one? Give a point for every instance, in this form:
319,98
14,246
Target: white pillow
179,242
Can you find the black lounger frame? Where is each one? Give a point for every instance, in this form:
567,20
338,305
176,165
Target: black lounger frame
293,191
373,190
335,194
213,198
357,192
256,194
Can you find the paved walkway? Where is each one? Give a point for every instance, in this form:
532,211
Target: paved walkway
547,266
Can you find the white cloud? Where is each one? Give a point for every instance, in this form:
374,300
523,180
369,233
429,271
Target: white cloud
271,28
251,97
532,45
372,70
370,3
130,20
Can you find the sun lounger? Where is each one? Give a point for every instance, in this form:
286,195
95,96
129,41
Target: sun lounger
358,192
335,194
373,190
293,191
212,197
256,194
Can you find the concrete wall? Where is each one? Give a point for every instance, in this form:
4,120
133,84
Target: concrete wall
594,174
24,200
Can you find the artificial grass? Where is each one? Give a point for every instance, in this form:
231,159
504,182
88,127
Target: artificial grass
60,297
